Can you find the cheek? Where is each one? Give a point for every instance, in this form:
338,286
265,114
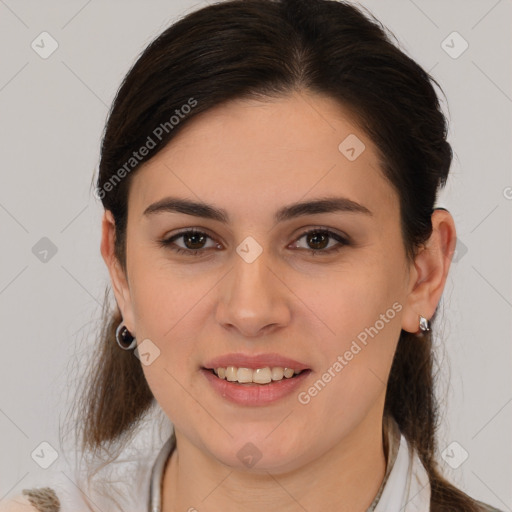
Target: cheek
166,306
164,296
362,310
353,376
356,300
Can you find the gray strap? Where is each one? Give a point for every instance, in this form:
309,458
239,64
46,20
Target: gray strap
43,499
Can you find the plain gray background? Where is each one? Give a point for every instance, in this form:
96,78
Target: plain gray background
52,115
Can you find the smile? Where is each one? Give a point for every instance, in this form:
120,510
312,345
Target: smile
258,375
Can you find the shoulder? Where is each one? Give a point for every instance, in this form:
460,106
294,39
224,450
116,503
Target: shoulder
43,499
18,504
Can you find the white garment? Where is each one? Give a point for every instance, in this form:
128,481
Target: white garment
408,486
134,483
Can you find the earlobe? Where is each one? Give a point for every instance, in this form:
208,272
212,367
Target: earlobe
431,266
117,275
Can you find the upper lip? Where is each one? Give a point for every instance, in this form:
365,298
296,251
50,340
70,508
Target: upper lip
254,361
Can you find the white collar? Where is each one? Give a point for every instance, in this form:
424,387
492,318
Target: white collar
155,483
408,486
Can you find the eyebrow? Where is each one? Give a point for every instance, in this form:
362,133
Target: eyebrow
207,211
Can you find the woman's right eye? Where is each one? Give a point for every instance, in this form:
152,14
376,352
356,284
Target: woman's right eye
190,237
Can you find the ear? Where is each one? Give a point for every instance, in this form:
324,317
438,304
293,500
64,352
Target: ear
428,277
117,276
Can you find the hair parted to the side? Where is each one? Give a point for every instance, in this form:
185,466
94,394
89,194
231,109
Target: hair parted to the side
266,49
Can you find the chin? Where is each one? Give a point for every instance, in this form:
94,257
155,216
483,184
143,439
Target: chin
256,451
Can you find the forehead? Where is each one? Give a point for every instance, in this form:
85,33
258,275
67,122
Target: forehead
251,157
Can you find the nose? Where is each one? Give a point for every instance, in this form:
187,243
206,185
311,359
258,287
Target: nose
253,299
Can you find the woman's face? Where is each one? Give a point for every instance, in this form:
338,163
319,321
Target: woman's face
255,288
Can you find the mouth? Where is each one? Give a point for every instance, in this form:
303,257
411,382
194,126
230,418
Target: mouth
255,376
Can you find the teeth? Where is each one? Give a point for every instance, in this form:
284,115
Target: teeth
259,375
262,375
244,375
231,373
288,372
277,373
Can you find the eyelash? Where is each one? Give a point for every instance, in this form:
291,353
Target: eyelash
169,242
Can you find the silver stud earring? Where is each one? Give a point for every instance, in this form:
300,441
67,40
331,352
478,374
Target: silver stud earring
424,325
124,338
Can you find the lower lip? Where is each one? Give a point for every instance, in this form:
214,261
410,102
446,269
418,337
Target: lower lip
255,394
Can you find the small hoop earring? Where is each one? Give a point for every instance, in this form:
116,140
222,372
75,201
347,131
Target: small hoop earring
424,324
124,338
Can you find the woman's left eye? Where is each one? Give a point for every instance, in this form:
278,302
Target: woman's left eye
319,237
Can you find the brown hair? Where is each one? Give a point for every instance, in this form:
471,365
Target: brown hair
262,49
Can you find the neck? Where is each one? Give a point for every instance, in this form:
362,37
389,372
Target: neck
346,478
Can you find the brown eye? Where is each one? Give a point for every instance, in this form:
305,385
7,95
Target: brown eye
193,242
317,241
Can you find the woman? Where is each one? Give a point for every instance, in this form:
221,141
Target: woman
269,174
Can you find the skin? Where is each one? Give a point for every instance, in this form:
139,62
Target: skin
251,158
